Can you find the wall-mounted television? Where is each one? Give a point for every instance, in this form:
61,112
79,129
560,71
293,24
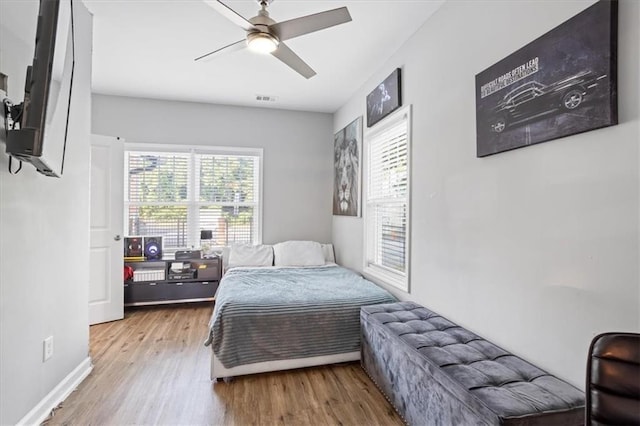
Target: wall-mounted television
41,121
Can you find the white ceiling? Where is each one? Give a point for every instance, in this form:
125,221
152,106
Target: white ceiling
146,48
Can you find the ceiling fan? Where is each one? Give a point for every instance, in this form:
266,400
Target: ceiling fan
265,35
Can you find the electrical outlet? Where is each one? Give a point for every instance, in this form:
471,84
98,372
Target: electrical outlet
47,348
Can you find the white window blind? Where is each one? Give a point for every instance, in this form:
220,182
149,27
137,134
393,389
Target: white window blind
387,204
177,194
227,197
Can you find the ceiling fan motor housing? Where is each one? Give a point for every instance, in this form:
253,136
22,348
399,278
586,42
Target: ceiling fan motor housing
262,21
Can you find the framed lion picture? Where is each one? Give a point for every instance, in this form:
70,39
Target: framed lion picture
347,157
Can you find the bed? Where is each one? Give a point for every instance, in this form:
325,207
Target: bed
272,318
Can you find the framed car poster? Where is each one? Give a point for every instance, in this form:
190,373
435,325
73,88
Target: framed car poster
560,84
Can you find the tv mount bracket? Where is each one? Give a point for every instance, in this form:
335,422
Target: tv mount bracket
11,121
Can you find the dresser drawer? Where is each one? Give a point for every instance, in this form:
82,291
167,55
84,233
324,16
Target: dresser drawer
191,290
144,292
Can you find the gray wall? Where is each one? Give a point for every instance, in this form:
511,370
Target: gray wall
44,229
297,152
535,249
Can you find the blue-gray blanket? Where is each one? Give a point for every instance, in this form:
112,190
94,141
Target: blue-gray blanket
273,314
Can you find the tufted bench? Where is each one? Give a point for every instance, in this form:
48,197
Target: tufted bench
436,373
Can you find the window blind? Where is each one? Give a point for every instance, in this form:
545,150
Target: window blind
388,197
177,194
228,197
157,190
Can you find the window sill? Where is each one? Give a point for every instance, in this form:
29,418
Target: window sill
377,274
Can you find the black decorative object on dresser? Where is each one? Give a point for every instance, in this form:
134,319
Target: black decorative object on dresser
154,282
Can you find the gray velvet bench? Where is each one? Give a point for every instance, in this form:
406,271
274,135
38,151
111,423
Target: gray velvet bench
436,373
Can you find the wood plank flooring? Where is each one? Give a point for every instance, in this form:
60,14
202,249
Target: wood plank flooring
152,368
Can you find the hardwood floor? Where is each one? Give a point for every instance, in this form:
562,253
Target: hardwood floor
152,368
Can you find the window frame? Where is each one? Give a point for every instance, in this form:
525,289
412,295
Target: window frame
193,233
401,281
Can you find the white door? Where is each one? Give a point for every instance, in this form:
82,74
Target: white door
106,290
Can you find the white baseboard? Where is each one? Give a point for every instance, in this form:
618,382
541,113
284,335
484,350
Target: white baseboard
40,412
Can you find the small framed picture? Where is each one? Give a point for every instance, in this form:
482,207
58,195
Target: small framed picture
384,99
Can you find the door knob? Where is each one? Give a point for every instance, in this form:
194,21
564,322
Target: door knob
117,238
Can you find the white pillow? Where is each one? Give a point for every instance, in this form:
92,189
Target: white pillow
298,253
327,251
249,255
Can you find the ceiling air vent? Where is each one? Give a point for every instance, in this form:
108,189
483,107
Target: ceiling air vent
263,98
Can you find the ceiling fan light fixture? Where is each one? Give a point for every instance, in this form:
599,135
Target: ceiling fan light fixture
262,42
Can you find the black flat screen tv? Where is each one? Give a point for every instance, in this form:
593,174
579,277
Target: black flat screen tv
43,116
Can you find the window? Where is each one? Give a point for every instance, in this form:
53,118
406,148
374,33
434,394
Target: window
176,194
387,200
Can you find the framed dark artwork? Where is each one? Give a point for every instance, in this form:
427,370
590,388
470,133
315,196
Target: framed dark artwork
347,157
384,99
563,83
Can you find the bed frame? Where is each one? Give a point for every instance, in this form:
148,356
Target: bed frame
219,372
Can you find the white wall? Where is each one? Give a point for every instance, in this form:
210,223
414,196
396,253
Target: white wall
298,149
535,249
44,229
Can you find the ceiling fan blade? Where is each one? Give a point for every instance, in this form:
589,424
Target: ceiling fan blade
230,14
307,24
288,56
228,48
